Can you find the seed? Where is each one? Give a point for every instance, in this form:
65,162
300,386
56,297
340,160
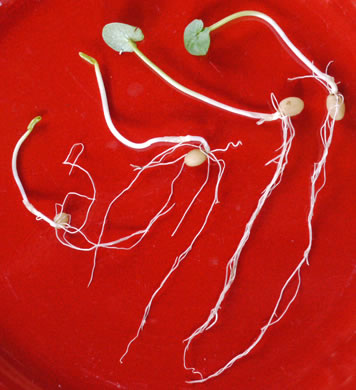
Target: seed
336,107
194,158
62,219
291,106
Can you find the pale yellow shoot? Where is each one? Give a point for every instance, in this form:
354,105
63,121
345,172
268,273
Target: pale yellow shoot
91,60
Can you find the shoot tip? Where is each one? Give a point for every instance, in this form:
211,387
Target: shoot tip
33,123
87,58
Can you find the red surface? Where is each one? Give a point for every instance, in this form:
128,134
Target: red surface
55,333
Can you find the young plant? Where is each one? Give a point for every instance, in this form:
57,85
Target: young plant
197,41
60,220
197,156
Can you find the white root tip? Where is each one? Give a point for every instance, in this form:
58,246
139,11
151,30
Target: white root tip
291,106
336,107
195,158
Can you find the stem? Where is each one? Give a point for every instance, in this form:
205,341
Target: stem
25,200
118,135
199,96
323,76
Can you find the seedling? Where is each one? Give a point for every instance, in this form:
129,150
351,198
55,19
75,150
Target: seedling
197,41
60,220
197,156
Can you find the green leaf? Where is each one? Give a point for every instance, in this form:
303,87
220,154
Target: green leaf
197,38
119,35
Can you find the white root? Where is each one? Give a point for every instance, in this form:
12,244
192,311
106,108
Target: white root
281,161
178,260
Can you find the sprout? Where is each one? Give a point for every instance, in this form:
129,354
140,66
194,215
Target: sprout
120,35
25,200
197,38
195,44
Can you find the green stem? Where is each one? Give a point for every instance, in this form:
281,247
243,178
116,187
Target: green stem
232,17
332,86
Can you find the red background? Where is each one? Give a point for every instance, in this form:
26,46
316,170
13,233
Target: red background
55,333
